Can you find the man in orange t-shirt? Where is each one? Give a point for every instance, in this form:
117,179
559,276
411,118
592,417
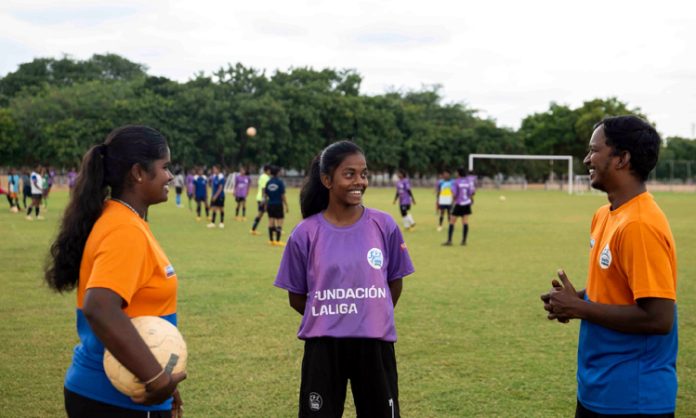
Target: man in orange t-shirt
627,346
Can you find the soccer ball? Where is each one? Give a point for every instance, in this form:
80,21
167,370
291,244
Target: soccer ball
251,132
165,342
502,198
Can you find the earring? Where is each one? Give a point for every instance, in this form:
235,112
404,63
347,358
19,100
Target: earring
140,179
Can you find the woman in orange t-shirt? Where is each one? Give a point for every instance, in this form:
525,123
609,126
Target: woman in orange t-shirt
106,250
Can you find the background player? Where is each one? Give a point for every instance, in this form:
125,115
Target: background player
217,196
405,197
463,195
200,186
260,204
443,200
274,196
241,190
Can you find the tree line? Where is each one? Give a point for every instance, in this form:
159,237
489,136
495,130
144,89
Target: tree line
53,109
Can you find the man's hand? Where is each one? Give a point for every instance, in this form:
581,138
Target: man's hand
561,300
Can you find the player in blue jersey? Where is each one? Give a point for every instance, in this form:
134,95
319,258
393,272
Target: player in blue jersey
463,195
217,196
274,197
200,188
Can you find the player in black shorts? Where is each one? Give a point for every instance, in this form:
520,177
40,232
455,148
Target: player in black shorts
274,194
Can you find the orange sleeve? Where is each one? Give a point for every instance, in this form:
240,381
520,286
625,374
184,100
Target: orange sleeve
645,257
120,262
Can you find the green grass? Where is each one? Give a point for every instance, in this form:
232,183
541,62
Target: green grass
473,338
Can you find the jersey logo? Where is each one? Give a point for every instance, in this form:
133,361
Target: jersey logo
375,258
315,401
592,241
605,258
272,187
169,271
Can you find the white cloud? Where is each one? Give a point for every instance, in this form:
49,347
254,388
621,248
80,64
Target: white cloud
506,58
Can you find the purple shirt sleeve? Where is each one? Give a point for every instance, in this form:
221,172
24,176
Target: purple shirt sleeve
400,264
292,273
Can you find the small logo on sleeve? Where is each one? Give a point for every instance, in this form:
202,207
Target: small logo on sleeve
605,258
375,258
169,271
592,242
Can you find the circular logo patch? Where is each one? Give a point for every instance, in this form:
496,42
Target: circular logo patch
375,258
605,258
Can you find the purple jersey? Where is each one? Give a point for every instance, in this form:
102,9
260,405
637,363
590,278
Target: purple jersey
403,188
189,184
241,186
72,176
345,273
462,190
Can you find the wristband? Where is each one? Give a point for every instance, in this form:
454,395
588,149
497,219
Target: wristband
157,376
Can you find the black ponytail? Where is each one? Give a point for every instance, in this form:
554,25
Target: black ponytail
103,172
314,197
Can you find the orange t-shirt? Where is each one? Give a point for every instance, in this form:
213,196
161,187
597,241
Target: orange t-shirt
122,255
632,254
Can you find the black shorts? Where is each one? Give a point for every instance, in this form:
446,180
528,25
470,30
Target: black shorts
261,207
178,189
37,196
78,406
239,199
445,207
369,364
201,199
219,202
404,209
461,210
582,412
276,211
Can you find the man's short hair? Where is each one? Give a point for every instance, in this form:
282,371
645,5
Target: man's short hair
637,137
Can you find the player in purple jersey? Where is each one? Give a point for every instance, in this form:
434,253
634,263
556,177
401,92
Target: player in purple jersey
189,187
405,196
343,268
463,195
241,190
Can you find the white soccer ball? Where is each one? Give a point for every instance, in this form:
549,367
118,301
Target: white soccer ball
165,342
251,132
502,198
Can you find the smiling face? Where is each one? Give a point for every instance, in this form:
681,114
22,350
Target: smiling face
599,159
156,182
348,182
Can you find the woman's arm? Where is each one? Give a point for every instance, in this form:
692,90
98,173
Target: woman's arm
103,309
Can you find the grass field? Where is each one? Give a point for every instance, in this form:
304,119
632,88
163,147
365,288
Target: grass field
473,338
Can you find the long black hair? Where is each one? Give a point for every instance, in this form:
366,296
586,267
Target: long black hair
103,172
314,197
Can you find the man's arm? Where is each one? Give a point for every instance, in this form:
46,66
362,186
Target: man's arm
647,316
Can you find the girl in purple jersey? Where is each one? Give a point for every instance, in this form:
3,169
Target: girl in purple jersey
405,197
343,267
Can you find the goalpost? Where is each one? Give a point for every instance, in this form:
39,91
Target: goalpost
568,158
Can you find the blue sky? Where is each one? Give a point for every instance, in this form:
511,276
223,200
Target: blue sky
506,58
